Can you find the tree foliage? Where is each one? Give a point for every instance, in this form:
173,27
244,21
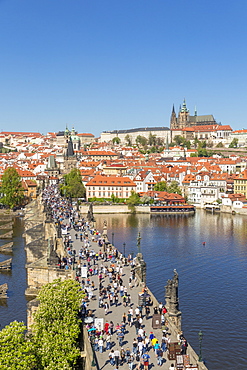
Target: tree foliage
16,352
160,186
116,140
234,143
152,139
180,140
174,188
11,188
141,140
171,188
128,140
133,200
56,325
73,186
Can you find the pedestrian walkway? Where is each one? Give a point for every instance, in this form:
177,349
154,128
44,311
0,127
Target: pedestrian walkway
116,312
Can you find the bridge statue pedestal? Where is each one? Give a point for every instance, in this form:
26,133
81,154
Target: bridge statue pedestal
172,301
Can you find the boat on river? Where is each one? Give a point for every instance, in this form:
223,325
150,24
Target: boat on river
181,208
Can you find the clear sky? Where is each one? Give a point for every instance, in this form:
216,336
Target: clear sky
116,64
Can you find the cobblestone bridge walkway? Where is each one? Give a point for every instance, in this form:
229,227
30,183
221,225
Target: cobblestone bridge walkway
115,313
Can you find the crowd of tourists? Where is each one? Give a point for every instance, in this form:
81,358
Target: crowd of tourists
100,269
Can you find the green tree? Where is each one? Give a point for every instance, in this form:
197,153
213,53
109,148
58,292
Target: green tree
73,186
128,139
152,139
160,186
16,352
116,140
174,188
196,142
133,200
11,188
202,144
179,139
141,140
220,145
56,325
147,200
234,143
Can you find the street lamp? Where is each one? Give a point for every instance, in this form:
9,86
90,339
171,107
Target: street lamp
124,248
112,239
200,335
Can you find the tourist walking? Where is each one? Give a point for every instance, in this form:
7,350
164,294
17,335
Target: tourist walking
145,359
111,357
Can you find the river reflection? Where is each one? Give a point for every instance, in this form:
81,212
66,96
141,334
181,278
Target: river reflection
210,255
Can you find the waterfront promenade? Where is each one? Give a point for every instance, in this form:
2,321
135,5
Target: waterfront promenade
115,313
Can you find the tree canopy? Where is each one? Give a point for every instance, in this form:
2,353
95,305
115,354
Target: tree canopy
133,200
16,352
116,140
128,139
141,140
73,186
56,325
171,188
234,143
160,186
11,188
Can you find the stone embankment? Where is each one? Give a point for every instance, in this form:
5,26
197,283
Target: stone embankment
123,208
42,248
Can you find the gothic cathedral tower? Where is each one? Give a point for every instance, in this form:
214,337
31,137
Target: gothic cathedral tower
173,120
183,116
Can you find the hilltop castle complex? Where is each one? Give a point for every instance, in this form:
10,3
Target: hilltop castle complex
184,119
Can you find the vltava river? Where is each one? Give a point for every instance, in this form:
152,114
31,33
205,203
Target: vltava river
212,275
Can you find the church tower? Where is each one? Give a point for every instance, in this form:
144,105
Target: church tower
183,116
173,120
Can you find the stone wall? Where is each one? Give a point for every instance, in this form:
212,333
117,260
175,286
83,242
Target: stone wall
42,248
115,208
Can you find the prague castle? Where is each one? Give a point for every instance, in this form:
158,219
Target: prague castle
184,119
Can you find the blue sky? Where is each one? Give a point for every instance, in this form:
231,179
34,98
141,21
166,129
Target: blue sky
116,64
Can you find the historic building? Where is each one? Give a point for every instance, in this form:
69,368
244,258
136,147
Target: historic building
184,119
130,135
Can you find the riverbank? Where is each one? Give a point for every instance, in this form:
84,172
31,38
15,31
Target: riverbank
145,209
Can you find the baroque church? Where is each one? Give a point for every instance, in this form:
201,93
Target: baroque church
184,119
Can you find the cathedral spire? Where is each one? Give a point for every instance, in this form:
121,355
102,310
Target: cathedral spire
184,108
173,109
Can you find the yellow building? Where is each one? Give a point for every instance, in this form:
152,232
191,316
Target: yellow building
240,183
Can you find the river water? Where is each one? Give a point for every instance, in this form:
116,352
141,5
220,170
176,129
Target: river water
208,251
14,307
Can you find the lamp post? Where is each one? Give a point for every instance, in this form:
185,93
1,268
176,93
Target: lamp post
112,239
200,335
124,248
